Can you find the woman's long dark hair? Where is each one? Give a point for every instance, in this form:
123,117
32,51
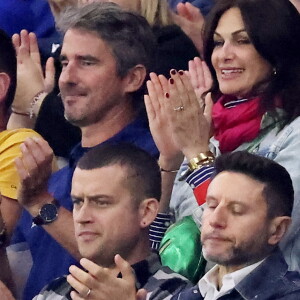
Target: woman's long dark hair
273,27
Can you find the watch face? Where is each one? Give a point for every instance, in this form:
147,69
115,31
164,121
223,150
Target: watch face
48,212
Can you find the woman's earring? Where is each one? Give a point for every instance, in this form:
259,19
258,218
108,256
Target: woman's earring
274,71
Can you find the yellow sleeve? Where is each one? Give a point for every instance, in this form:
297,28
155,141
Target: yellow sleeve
10,141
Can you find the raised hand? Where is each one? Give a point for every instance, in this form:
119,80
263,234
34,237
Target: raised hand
155,101
30,77
98,283
200,77
190,121
57,6
191,21
34,168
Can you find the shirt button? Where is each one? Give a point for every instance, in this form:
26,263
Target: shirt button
195,291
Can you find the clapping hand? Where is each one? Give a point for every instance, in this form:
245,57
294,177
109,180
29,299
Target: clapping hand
98,283
30,77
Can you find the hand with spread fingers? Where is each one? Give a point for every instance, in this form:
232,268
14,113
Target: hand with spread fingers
200,77
34,168
191,20
155,101
57,6
98,283
191,124
30,77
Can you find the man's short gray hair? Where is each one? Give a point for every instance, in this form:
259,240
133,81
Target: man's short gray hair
128,34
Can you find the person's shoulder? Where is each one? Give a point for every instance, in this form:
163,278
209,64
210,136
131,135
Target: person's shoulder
10,140
17,135
165,283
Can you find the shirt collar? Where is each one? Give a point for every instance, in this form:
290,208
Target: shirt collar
208,283
124,135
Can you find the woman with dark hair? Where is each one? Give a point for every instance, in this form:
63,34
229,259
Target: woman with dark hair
251,48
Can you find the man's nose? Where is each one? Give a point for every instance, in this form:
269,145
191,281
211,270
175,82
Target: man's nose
82,214
218,218
68,74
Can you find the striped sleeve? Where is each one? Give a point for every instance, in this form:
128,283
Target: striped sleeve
199,181
158,229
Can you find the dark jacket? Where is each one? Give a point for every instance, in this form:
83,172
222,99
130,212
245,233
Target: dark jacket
271,280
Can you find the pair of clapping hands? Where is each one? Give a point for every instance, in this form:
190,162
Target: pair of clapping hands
179,114
97,283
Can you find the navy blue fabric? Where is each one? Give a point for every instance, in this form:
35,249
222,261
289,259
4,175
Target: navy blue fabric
203,5
270,280
50,260
32,15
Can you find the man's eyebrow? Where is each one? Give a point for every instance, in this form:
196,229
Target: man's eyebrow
99,196
233,33
87,57
80,57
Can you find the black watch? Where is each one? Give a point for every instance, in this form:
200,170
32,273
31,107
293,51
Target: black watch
47,214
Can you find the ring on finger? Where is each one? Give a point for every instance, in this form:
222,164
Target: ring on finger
87,293
179,108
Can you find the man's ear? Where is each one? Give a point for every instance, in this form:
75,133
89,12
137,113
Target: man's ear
134,78
147,211
4,85
278,228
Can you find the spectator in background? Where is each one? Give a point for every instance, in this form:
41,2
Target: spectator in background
105,57
204,5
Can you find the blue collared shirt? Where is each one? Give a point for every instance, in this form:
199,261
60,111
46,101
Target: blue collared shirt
50,259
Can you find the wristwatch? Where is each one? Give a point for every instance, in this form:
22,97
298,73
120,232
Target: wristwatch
47,214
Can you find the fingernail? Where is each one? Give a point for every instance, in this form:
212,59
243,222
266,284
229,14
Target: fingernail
173,71
180,72
167,95
171,80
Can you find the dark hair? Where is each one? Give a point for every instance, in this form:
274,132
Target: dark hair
273,27
143,173
278,191
128,34
8,65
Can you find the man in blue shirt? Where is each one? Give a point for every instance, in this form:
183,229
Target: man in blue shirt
105,56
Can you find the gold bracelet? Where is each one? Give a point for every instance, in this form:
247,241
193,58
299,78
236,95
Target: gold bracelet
202,159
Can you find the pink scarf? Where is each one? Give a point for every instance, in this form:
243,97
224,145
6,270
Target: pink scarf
236,121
